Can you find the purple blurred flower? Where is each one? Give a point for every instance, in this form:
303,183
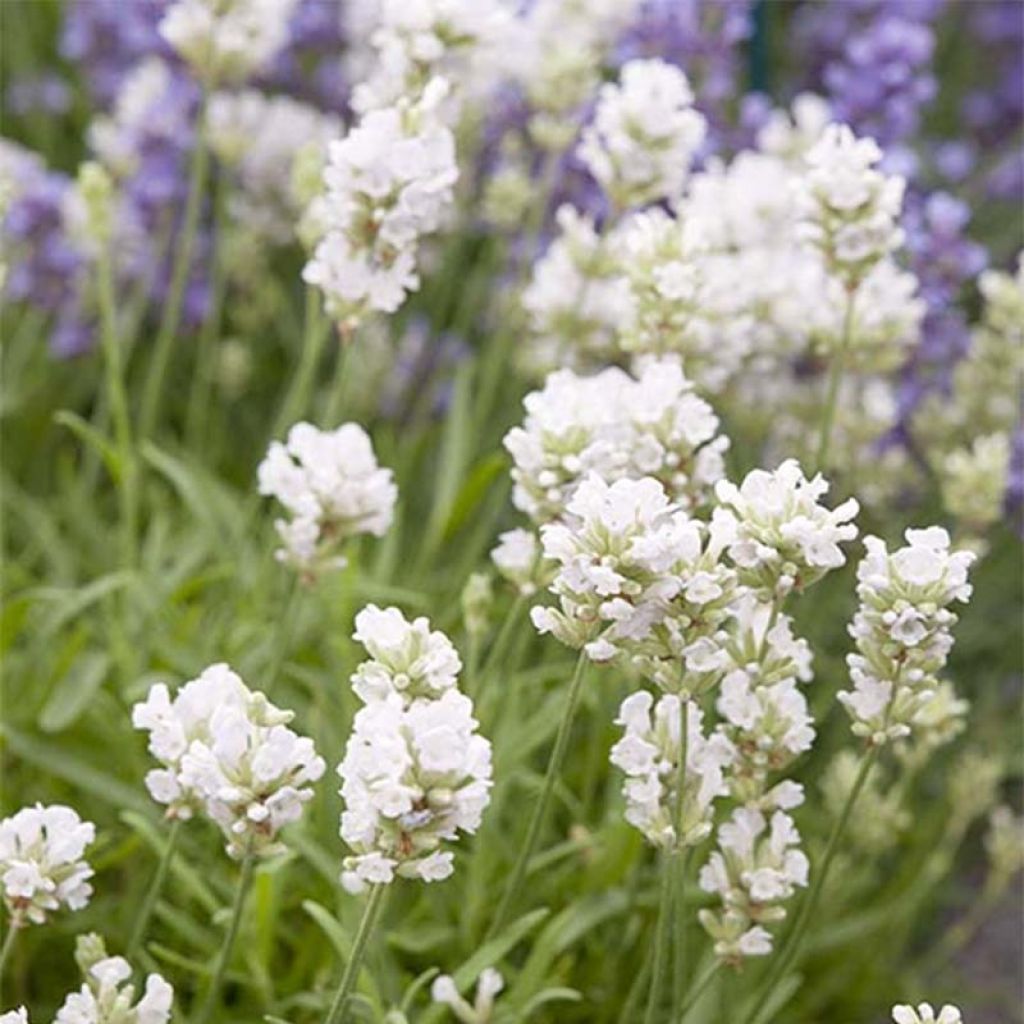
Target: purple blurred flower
704,37
107,38
41,94
872,58
46,269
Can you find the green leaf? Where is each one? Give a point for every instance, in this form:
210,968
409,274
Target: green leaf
330,926
72,694
91,438
52,758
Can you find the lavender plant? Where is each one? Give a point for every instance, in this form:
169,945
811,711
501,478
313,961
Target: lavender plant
640,384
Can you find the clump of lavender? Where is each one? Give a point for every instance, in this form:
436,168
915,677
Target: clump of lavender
705,38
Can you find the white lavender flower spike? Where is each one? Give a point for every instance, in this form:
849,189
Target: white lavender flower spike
107,997
41,862
756,868
408,660
227,752
388,182
781,537
903,632
413,777
644,135
615,425
850,209
227,40
330,483
649,754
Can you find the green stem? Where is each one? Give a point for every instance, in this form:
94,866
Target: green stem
338,384
8,946
832,395
672,898
117,401
154,385
213,992
153,893
698,990
284,630
677,862
315,334
541,806
498,648
662,939
794,940
336,1014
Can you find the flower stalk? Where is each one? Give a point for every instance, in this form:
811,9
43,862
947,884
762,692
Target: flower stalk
338,1011
540,808
155,888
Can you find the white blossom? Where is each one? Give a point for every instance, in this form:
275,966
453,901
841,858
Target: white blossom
577,298
18,1016
902,630
388,182
226,751
644,135
781,536
517,557
924,1014
413,777
407,659
633,570
649,755
616,426
227,40
41,862
445,992
331,485
756,868
107,998
850,208
416,40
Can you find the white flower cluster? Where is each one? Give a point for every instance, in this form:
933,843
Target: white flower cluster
684,299
635,577
331,484
644,134
973,481
388,182
445,992
106,997
924,1014
649,754
227,40
407,658
780,537
415,771
556,53
258,137
764,715
756,868
616,426
517,557
417,40
850,208
41,865
577,298
226,750
902,631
